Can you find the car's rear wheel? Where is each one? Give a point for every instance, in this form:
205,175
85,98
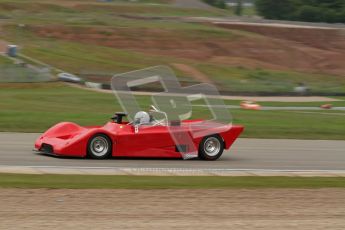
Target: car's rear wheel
99,147
211,148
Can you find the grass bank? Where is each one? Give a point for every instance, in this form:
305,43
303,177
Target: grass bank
90,37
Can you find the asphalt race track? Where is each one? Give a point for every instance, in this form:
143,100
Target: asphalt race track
16,150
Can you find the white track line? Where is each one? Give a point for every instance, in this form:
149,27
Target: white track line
78,170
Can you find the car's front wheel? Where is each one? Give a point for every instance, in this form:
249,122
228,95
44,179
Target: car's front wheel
211,148
99,147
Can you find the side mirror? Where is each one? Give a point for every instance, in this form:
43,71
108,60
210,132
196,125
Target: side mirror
118,117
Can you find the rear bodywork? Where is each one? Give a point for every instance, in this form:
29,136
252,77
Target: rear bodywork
70,139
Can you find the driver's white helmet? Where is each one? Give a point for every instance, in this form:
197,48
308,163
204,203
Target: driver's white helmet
142,117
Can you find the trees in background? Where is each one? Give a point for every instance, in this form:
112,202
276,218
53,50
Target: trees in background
331,11
239,8
217,3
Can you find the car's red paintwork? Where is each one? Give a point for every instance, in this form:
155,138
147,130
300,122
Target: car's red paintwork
69,139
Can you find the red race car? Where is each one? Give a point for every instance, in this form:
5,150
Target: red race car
144,137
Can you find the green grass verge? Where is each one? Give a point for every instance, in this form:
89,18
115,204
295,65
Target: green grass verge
35,107
295,104
164,182
5,60
291,124
241,79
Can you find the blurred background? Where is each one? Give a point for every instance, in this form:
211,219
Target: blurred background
278,64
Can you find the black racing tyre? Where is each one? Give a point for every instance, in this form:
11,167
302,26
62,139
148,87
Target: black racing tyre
99,147
211,148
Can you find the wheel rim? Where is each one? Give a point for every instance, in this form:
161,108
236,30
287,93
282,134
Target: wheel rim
99,146
212,146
